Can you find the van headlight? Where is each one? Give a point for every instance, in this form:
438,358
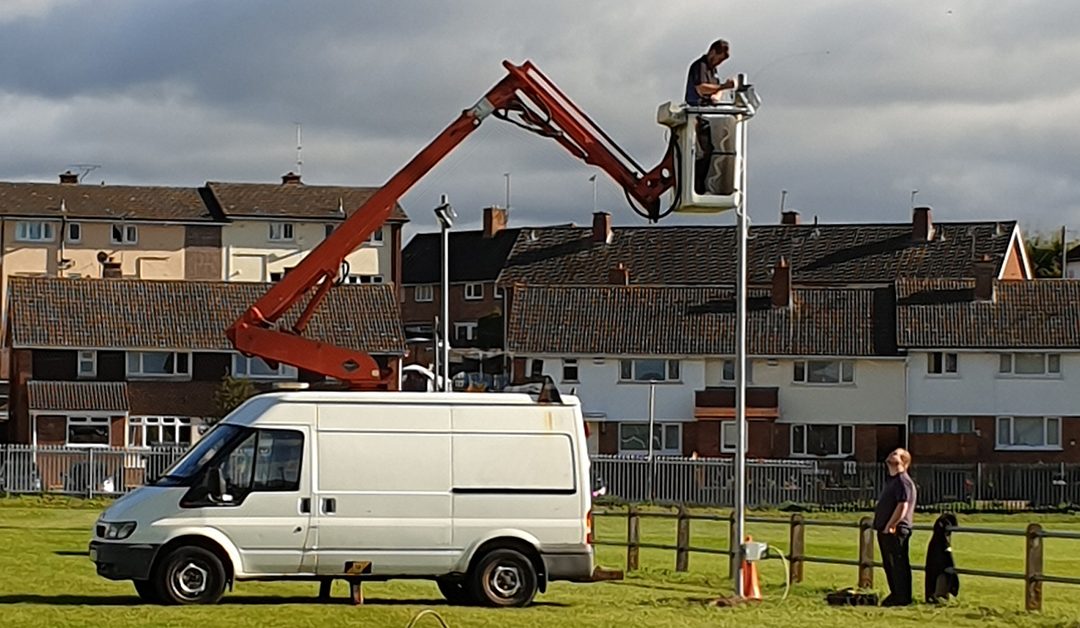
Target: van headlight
119,530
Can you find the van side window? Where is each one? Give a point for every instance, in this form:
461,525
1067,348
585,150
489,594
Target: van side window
277,464
237,468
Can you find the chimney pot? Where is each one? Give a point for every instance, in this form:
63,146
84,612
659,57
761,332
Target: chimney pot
290,178
619,276
985,273
781,284
69,178
601,228
494,221
789,217
922,225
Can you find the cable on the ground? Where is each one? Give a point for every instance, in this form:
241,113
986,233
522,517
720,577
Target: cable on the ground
427,611
787,570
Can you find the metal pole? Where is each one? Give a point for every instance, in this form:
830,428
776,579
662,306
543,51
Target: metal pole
445,359
437,348
652,429
740,364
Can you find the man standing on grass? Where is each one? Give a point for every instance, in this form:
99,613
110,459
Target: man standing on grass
892,520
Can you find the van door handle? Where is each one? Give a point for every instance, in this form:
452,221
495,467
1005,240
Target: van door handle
329,505
305,505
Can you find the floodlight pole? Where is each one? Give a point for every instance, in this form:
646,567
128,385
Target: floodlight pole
742,227
446,215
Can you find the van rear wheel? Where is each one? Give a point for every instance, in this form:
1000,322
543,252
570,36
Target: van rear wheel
190,575
504,577
454,591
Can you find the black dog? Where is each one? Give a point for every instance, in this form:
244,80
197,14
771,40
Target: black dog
941,579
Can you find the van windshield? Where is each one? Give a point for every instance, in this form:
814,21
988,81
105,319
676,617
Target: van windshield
196,459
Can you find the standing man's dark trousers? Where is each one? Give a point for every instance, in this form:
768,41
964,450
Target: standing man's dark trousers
897,565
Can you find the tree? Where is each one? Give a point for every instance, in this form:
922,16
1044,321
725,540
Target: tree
1045,253
230,393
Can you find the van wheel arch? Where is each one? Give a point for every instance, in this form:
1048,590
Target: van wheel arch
513,543
193,540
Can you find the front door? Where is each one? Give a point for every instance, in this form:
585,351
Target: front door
266,511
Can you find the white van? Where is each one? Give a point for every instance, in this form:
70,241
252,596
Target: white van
487,494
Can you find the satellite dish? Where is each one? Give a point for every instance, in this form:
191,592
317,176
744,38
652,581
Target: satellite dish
102,257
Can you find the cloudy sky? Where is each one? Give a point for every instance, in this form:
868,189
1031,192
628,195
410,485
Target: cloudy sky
975,104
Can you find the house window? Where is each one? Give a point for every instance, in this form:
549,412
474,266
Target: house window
424,293
649,370
667,438
824,371
809,439
940,363
87,364
942,425
728,439
74,233
727,374
569,370
464,331
474,291
159,431
496,291
363,279
1028,432
85,431
157,364
33,231
124,234
281,232
536,368
255,368
376,238
1030,364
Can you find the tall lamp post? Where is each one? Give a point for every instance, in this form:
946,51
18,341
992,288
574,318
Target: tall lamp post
446,215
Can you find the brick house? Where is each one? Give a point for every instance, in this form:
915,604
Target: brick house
993,368
118,362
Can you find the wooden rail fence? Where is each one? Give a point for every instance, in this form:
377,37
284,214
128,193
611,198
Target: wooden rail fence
1033,575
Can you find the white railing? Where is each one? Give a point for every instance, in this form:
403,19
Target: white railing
85,471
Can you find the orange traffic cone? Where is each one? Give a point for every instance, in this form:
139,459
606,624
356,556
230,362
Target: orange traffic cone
751,586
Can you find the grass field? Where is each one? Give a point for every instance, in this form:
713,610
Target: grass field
47,580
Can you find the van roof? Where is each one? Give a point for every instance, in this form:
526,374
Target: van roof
426,398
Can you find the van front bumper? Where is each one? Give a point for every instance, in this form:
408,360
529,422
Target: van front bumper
123,561
575,565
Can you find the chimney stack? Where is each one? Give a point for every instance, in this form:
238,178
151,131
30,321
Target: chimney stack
781,284
494,221
111,270
619,276
789,217
290,178
984,270
601,228
922,226
69,178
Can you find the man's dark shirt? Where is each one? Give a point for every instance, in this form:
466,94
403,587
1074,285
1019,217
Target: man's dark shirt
699,73
898,488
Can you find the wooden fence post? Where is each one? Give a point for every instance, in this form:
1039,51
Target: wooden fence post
797,547
633,538
682,542
733,548
1033,568
866,553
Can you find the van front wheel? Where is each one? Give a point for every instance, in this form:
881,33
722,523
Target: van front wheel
190,575
454,591
504,577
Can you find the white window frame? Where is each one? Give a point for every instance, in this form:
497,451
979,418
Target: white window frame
799,450
140,373
938,363
77,226
242,367
129,234
571,363
88,358
931,425
24,229
496,291
376,238
1051,431
1051,365
282,232
665,448
672,370
469,328
725,428
88,420
474,291
424,293
846,368
731,362
146,422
